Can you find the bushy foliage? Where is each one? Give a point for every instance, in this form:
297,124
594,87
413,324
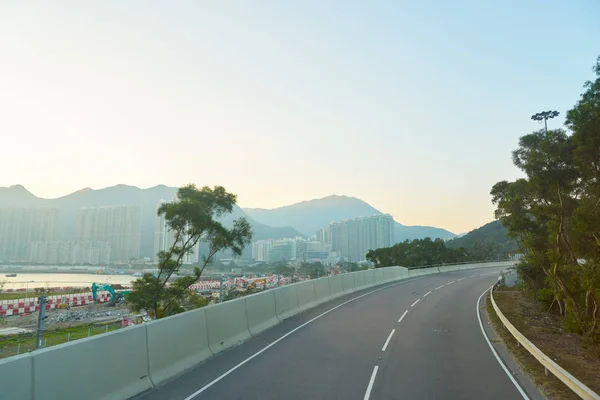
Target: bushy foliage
554,213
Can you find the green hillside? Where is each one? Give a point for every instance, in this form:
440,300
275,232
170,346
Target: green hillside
486,242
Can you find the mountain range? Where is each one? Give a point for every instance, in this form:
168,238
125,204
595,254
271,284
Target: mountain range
309,216
300,219
19,197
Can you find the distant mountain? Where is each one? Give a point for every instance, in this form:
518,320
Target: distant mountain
491,235
18,197
309,216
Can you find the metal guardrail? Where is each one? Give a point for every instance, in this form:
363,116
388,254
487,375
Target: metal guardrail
458,263
550,366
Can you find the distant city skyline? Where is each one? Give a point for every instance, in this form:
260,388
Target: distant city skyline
413,107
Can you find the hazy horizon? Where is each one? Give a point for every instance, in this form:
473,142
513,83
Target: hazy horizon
412,107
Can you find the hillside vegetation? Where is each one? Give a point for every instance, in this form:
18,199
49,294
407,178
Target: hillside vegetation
554,213
487,242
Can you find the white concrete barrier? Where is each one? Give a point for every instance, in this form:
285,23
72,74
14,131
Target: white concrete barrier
369,277
176,345
260,308
389,274
306,295
286,301
16,377
359,280
336,286
402,273
227,325
322,290
104,367
379,274
348,283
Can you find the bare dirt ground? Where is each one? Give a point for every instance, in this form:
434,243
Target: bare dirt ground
66,318
574,353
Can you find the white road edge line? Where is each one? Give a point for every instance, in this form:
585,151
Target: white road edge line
403,315
473,276
427,294
461,279
385,345
450,283
413,304
229,371
371,382
439,287
513,380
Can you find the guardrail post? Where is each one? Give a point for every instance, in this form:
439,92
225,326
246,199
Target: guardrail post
546,371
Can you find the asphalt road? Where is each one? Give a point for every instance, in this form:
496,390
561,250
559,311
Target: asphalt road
419,339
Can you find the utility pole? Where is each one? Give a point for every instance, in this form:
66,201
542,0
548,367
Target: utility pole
543,116
221,288
41,320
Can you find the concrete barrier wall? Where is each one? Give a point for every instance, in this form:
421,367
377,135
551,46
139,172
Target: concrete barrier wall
176,345
110,366
16,377
306,295
322,290
389,274
359,280
260,310
336,287
348,283
125,363
369,277
286,301
227,325
379,274
402,273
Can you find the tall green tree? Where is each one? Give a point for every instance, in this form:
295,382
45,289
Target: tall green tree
192,217
554,212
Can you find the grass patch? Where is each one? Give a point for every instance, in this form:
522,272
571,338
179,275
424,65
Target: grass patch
545,331
30,295
18,344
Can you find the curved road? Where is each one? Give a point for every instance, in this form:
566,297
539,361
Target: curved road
415,339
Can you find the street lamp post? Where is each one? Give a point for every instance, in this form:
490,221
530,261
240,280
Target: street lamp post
543,116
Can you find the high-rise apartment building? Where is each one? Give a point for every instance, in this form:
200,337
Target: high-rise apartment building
353,238
297,249
20,227
164,239
70,252
121,226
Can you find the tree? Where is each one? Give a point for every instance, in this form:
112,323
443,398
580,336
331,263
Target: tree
554,213
313,270
283,269
418,252
191,218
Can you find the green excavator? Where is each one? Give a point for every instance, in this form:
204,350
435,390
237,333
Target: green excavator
114,296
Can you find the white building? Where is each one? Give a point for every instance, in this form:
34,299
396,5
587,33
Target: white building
121,226
70,252
20,227
353,238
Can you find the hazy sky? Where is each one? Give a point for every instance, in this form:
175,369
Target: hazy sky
412,106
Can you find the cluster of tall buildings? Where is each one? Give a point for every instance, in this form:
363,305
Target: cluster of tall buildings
21,227
120,226
112,235
353,238
70,252
105,235
298,249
